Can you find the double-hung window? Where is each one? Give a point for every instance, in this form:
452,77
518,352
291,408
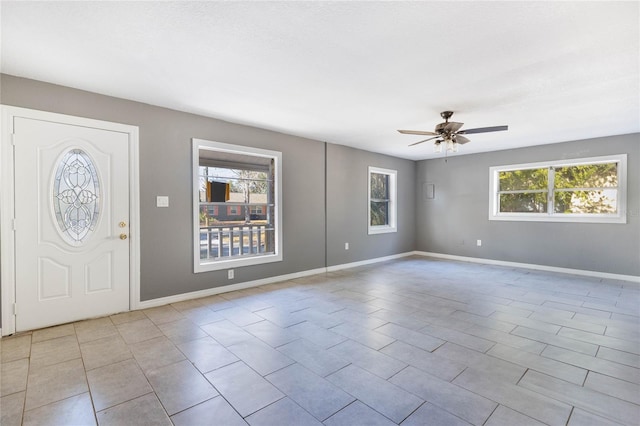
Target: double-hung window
382,200
236,196
580,190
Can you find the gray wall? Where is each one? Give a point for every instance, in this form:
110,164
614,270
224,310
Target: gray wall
165,169
458,216
347,185
314,230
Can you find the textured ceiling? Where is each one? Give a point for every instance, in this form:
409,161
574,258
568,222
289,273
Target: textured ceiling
349,73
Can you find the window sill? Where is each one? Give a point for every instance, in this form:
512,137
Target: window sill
382,230
216,265
526,217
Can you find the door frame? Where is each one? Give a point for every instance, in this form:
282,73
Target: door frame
7,208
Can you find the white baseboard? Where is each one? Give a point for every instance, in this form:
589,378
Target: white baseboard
367,262
256,283
249,284
582,272
225,289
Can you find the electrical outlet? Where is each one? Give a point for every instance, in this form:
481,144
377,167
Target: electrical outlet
479,243
230,274
346,246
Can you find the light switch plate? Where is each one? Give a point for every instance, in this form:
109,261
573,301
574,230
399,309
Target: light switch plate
429,191
162,201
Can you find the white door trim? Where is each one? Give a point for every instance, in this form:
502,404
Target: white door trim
7,194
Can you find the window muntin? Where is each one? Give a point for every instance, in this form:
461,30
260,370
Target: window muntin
381,200
237,204
581,190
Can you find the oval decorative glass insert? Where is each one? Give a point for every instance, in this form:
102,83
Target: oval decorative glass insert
76,196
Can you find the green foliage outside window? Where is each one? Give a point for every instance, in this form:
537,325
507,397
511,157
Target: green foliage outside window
523,202
589,188
529,179
379,199
522,182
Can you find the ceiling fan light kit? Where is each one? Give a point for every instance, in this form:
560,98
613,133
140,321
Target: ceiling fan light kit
449,144
449,133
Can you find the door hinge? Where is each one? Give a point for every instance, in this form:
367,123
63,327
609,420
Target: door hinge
14,224
15,309
13,139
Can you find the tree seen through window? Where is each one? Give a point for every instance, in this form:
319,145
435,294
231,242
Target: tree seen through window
574,189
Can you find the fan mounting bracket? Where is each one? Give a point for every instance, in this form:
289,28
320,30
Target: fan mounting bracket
446,115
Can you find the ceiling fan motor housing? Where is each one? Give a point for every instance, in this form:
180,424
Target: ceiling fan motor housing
450,132
447,127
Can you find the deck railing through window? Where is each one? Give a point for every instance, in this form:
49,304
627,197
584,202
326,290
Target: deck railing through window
227,241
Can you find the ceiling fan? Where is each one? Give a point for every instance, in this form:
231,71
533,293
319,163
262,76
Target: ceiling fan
450,134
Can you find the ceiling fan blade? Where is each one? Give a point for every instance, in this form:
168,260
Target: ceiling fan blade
483,130
452,127
418,132
461,139
416,143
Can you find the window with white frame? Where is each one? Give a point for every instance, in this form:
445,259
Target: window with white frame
236,204
382,202
578,190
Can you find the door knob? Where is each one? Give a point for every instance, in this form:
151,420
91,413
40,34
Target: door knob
123,236
122,224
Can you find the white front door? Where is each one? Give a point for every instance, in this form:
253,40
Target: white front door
72,252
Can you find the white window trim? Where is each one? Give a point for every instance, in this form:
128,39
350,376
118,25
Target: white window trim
619,217
238,262
393,178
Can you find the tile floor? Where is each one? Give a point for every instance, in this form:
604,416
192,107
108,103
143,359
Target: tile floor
415,341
